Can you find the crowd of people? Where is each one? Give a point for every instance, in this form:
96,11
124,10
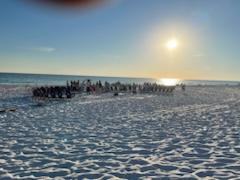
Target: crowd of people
98,87
52,92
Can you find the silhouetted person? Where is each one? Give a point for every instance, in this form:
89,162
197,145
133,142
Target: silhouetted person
183,87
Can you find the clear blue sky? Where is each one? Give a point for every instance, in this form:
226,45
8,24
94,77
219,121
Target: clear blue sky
123,38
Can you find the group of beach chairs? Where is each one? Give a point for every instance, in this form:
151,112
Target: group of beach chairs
131,88
88,87
52,92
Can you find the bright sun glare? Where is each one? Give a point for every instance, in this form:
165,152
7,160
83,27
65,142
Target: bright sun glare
172,44
168,82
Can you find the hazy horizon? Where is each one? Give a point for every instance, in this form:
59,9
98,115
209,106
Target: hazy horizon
127,77
191,40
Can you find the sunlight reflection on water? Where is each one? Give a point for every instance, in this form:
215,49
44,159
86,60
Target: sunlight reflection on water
168,82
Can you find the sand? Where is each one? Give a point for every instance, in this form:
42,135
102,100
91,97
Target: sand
189,135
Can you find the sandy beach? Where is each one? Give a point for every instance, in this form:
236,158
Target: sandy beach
190,135
120,89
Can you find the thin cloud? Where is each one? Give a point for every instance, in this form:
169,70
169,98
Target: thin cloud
42,49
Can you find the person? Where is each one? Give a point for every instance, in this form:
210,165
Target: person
88,86
59,92
183,87
78,85
52,92
68,92
35,92
46,92
100,84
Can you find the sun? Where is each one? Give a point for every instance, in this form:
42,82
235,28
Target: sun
172,44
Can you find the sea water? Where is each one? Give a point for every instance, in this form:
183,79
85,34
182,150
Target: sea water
45,79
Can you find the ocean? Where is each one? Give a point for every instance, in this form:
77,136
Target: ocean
45,79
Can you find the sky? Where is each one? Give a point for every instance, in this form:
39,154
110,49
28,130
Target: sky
123,38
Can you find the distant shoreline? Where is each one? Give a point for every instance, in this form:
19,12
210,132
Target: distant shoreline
93,76
125,77
118,77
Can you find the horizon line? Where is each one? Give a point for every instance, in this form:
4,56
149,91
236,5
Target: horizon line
106,76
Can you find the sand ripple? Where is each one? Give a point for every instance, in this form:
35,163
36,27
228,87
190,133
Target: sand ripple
192,135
